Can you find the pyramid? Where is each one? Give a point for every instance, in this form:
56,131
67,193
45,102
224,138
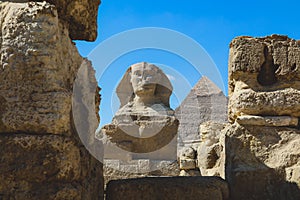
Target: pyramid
205,102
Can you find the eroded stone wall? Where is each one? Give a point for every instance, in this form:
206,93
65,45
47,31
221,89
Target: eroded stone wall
41,155
262,142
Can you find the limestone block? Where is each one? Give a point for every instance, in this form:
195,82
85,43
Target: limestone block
263,77
143,165
80,16
187,164
164,168
38,63
39,158
45,167
177,188
211,151
112,170
194,172
35,191
262,162
115,164
188,152
293,174
267,120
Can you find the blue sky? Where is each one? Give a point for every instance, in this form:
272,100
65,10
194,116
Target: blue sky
213,24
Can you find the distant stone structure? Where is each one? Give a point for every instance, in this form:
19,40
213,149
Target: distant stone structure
143,134
41,154
258,153
205,102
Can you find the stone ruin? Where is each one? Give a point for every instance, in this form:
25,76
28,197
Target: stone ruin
41,154
258,151
42,157
142,138
262,141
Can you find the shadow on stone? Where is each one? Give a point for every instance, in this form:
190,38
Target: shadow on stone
163,188
248,175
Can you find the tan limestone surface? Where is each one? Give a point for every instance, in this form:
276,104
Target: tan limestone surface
177,188
262,162
39,62
41,154
79,16
211,150
264,76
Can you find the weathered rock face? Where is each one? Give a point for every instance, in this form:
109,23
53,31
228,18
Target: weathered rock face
47,167
211,151
78,16
262,162
262,143
34,48
264,77
204,188
205,102
41,154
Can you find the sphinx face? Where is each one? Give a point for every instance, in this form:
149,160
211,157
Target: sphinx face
144,79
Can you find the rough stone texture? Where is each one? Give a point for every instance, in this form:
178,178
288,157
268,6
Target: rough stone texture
41,154
151,147
268,120
211,151
205,102
79,16
264,77
39,63
116,169
262,143
262,162
188,162
47,167
177,188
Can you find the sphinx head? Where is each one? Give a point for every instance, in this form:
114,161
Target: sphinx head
146,82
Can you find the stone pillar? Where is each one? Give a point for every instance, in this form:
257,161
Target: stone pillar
262,143
41,154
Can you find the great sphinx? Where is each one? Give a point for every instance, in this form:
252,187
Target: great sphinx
144,123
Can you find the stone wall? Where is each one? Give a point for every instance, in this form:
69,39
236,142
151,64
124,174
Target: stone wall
262,142
41,154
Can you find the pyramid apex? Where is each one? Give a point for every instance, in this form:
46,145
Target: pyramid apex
205,87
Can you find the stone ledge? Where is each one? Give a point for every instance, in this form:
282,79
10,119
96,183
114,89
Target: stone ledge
175,188
267,120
